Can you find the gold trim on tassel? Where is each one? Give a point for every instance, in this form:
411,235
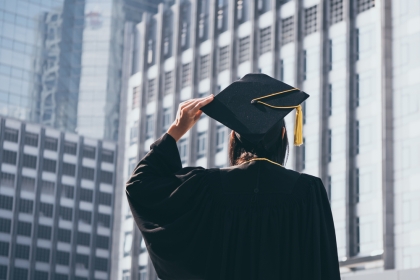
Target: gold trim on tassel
298,133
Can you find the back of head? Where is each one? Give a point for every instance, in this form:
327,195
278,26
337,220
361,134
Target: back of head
275,147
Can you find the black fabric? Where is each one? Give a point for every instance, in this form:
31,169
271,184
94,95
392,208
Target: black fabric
253,221
233,108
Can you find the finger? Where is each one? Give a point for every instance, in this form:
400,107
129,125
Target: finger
198,115
202,103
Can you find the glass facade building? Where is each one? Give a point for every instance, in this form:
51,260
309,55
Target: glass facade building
60,64
358,60
57,193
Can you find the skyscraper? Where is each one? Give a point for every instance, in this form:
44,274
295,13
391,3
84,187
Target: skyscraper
359,62
57,194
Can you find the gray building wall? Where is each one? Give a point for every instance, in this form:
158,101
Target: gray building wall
356,59
57,195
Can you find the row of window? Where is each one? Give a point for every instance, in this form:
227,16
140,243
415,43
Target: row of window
32,139
23,273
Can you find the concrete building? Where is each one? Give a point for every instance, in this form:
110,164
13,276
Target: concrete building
359,61
57,192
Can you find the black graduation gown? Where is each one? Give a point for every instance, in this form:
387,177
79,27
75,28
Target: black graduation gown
253,221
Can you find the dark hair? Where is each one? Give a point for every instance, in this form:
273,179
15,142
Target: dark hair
238,153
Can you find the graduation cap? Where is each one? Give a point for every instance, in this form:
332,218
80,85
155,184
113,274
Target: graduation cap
255,106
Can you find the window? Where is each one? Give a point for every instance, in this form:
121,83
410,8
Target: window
106,177
22,252
66,213
50,144
85,216
70,148
166,119
330,100
357,137
151,90
104,220
186,75
26,206
336,11
311,23
82,261
6,202
31,139
108,156
4,249
149,126
132,162
329,145
44,232
7,179
49,165
9,157
69,169
21,273
5,225
86,195
47,187
59,276
223,58
105,198
134,131
220,138
201,144
102,242
27,184
24,228
101,264
63,258
287,30
183,150
11,135
204,67
42,255
67,191
169,77
87,173
363,5
46,209
40,275
136,97
265,40
89,152
243,49
29,161
64,235
83,238
303,154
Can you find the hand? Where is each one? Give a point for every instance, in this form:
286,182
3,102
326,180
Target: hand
188,114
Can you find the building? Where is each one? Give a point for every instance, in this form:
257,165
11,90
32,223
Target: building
57,194
359,61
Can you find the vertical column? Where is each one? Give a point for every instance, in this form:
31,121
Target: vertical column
349,11
17,201
253,48
176,47
194,76
387,135
275,42
211,135
159,79
58,187
120,186
141,132
323,89
298,65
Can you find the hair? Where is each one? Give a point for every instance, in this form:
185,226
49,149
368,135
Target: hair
239,153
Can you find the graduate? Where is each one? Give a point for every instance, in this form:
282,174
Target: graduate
253,220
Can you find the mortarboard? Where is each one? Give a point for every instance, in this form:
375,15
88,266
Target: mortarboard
255,105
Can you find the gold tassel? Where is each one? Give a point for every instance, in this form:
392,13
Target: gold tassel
298,126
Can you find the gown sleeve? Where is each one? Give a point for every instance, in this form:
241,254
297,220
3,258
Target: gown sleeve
170,205
325,262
